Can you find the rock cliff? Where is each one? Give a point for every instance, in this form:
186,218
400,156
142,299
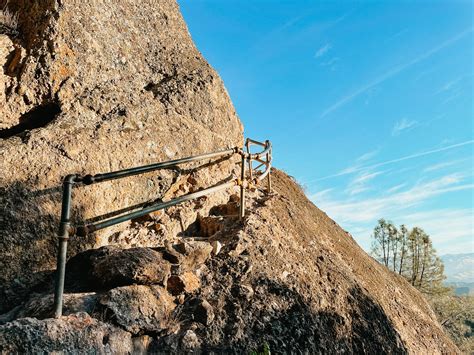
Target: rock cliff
101,85
91,87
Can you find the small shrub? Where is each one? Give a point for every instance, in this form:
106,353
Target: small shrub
265,350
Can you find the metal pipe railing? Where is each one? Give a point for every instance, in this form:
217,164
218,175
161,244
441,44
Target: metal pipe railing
91,179
66,230
93,227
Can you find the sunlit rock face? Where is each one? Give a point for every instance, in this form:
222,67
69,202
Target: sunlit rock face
91,87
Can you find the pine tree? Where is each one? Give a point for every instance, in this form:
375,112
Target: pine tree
410,254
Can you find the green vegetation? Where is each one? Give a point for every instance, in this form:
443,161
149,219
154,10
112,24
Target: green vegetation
410,253
456,315
265,350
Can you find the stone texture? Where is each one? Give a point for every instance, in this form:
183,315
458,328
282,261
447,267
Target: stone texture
136,265
109,267
139,308
203,312
108,85
190,340
75,334
195,253
187,282
303,285
97,86
208,226
41,306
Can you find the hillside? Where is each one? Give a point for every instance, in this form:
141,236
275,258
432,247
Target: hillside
288,277
459,270
97,87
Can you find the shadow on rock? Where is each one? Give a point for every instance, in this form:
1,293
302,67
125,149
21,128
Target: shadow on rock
269,314
28,243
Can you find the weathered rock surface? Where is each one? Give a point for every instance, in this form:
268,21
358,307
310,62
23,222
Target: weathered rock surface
139,308
301,284
187,282
76,334
136,265
41,306
194,253
90,87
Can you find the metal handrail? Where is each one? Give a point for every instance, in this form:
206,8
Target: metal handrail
66,230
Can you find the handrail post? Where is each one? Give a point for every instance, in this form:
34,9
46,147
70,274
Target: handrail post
62,247
269,181
242,188
247,144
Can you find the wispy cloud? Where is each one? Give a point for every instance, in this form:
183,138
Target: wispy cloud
357,168
403,125
445,226
453,84
293,30
331,62
367,156
395,188
397,34
322,50
443,165
320,195
360,182
395,70
370,209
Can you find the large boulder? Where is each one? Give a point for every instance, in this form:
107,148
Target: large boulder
75,334
140,308
41,306
91,87
109,267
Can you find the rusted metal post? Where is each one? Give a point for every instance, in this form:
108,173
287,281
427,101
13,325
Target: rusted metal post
242,188
269,181
62,247
247,144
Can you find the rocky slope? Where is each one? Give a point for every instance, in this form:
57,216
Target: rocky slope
97,86
90,87
287,276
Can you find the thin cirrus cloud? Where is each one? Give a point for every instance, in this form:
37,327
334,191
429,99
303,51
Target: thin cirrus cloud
444,225
360,182
322,50
450,229
363,210
356,168
393,71
403,125
444,164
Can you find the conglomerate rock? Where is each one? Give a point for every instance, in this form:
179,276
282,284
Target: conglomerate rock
300,284
75,334
91,87
139,308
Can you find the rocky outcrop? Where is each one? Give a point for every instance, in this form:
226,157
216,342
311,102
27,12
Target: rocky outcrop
300,284
288,278
139,308
75,334
90,87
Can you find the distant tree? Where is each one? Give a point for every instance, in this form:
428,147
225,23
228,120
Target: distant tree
402,238
410,254
380,244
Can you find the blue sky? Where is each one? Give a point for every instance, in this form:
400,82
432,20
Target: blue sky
369,105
